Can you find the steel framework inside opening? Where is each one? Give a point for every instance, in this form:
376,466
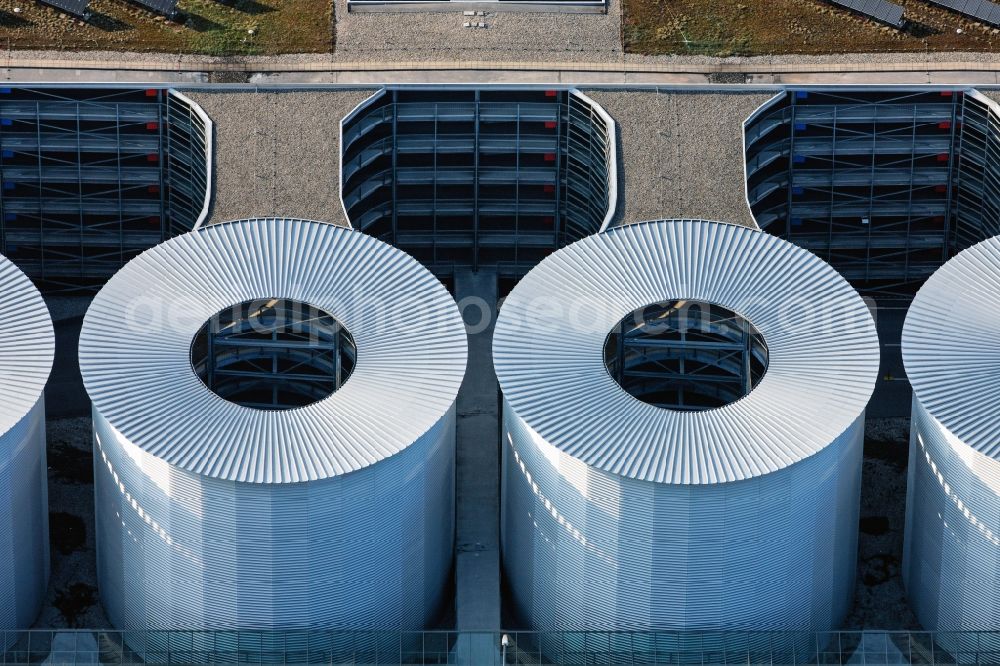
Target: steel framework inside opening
686,355
884,185
273,354
91,177
473,178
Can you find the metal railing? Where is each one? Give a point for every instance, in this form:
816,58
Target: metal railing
360,648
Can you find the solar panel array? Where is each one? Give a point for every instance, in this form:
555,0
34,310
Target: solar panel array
76,8
980,10
879,10
166,7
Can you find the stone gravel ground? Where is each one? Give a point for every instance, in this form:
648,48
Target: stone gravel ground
681,153
72,599
278,153
507,36
879,597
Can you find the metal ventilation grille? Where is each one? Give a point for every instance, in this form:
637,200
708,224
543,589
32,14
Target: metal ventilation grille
951,349
27,345
210,514
622,515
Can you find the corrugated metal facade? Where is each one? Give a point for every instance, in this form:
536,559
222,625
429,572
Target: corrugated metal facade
215,515
622,515
951,338
27,345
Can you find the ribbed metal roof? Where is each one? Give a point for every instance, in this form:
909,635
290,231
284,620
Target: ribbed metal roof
823,351
951,346
27,345
136,341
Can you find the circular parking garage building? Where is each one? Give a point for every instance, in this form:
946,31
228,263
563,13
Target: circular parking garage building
274,431
27,347
683,422
951,553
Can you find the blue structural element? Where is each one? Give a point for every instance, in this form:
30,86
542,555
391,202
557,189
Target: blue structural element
800,127
801,94
7,154
799,159
6,122
4,91
797,190
8,185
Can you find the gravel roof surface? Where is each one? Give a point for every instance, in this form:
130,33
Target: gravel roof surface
278,153
508,35
992,94
681,153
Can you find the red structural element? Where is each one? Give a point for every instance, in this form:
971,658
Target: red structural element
946,93
152,126
152,157
550,157
550,93
944,125
550,124
941,188
943,157
152,92
550,188
153,189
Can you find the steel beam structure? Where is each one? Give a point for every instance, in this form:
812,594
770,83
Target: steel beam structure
977,200
275,354
885,185
472,178
91,177
864,179
686,356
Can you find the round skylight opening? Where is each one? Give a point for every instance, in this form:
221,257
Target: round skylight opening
686,355
273,354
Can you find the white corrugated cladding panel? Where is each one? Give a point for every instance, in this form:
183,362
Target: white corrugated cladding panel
622,515
211,514
951,350
27,345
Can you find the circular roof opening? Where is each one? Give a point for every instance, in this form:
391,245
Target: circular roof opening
273,354
686,355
